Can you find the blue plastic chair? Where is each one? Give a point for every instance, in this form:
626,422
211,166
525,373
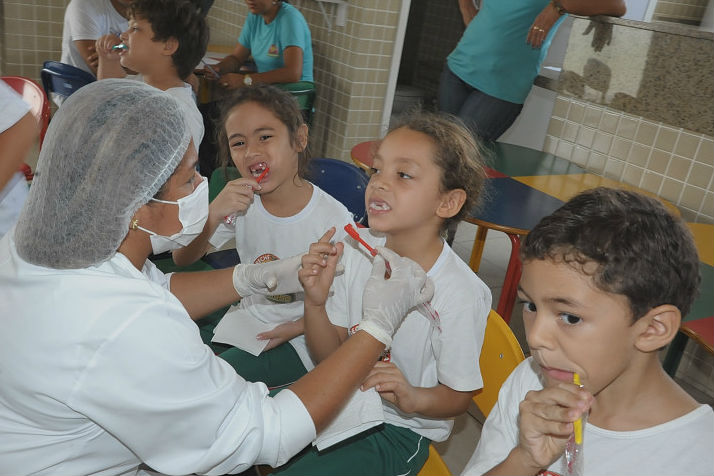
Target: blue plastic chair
63,79
345,182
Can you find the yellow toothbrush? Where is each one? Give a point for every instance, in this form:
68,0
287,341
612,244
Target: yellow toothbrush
578,424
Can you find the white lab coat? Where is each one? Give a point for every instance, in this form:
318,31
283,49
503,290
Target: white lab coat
102,368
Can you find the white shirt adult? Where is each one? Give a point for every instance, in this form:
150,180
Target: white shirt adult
176,407
88,20
679,446
14,193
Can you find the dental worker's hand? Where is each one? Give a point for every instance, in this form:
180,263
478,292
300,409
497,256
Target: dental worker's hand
273,277
386,302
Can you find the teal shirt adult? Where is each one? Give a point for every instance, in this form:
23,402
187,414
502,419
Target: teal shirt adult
493,56
268,42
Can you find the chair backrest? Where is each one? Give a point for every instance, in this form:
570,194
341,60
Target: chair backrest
304,93
345,182
63,79
33,94
500,354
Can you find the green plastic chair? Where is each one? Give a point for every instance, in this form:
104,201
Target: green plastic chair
219,178
304,92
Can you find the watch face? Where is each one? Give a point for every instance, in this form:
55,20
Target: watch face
247,80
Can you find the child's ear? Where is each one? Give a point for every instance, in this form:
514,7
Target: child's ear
301,138
170,46
451,203
658,327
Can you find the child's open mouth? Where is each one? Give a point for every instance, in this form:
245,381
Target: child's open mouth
257,169
379,206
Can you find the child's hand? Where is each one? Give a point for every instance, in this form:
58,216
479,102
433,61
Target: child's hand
546,421
318,269
392,386
281,333
236,197
103,47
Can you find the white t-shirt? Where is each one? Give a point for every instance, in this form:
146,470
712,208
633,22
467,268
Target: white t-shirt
682,446
194,120
424,355
262,237
13,195
101,368
88,20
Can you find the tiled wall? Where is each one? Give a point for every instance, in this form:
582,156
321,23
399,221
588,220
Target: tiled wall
674,163
689,12
351,66
32,34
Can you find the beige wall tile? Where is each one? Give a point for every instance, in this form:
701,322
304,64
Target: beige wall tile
608,122
592,116
576,112
666,138
614,169
692,197
602,142
646,133
627,127
596,162
687,145
671,190
707,209
550,145
569,132
580,156
632,175
560,108
679,168
620,148
651,182
564,150
659,161
701,175
586,136
705,154
639,154
555,126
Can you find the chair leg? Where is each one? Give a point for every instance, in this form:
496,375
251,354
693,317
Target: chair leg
477,248
510,282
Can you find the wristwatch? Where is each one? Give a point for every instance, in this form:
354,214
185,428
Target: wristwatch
247,80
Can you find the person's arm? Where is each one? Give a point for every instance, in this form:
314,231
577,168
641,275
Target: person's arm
290,73
317,274
236,197
468,10
440,401
230,63
15,142
545,20
86,48
613,8
109,65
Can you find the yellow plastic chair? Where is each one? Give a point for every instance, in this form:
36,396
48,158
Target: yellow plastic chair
501,353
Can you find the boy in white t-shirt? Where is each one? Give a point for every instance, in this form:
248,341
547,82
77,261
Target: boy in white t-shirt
165,41
606,281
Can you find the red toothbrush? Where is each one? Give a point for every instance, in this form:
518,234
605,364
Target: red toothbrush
430,311
228,220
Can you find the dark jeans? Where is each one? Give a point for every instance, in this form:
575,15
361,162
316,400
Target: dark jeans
487,117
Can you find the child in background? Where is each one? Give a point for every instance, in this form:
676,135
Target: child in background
276,218
606,281
165,41
427,173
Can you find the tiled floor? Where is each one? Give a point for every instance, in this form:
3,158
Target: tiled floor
457,450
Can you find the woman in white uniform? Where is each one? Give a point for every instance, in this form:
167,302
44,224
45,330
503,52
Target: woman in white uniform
101,367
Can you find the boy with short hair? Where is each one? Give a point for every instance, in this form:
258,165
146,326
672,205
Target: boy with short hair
165,41
606,281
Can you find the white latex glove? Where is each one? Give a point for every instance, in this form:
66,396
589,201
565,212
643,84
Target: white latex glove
274,277
386,302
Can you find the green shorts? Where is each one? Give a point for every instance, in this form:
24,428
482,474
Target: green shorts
276,367
383,450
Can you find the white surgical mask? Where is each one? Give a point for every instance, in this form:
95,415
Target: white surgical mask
193,213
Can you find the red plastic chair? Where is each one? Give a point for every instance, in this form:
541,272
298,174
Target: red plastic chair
33,94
